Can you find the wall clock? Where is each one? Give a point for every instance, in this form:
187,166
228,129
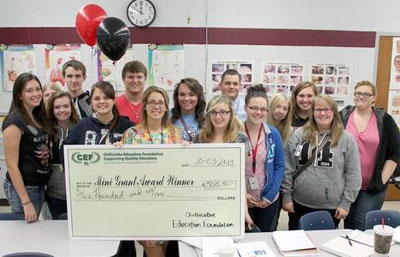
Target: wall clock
141,13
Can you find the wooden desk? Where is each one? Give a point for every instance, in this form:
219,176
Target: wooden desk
49,236
318,237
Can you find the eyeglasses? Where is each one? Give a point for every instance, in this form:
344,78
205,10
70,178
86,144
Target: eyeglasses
363,94
153,103
327,110
256,109
220,113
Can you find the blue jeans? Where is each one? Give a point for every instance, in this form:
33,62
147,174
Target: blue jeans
364,203
265,218
36,194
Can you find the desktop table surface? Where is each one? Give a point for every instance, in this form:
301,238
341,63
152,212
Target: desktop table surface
317,236
51,237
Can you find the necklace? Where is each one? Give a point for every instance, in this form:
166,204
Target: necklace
136,113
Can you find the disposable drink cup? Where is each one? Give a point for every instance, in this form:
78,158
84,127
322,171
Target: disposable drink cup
382,240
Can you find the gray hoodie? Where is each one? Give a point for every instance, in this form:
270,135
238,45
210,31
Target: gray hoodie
332,180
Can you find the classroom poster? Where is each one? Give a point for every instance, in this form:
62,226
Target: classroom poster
111,71
54,58
166,65
395,67
394,105
14,61
281,77
245,68
331,79
2,156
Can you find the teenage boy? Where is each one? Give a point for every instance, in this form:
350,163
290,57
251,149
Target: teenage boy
134,75
74,73
230,86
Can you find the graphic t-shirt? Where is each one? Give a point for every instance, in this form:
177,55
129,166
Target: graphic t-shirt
34,151
192,127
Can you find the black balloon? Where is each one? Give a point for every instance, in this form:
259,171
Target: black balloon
113,38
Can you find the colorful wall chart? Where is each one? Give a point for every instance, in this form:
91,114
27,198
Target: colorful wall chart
55,56
14,61
281,77
166,65
331,79
245,69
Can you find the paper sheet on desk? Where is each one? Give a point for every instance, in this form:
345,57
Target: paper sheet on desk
396,235
212,244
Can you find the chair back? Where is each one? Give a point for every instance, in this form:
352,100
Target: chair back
12,216
63,216
372,218
318,220
28,254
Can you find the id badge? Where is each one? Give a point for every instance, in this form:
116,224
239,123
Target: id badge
298,150
253,182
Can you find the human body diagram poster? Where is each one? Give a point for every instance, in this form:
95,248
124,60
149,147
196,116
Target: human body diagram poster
55,57
166,65
15,60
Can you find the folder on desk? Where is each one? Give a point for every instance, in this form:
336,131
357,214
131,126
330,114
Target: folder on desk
294,243
356,244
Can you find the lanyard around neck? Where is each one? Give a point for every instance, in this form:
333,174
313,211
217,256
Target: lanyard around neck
254,150
151,138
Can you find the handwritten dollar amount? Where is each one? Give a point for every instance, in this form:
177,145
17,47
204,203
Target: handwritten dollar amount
219,184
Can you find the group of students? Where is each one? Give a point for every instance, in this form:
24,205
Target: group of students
302,155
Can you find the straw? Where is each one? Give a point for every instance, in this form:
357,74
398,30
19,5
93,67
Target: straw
383,223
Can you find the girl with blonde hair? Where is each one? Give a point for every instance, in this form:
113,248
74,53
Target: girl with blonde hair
322,166
280,116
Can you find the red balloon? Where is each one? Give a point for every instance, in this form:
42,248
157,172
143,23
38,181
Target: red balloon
87,20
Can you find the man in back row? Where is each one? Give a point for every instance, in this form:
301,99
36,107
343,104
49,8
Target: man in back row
230,86
134,75
74,73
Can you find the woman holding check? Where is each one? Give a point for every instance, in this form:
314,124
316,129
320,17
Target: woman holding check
155,128
322,166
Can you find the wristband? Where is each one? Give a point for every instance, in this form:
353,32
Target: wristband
28,202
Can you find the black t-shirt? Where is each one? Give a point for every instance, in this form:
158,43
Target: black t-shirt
34,151
300,122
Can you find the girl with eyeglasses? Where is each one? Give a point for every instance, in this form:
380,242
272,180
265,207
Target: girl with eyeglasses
26,136
266,167
222,126
322,166
188,111
155,128
378,140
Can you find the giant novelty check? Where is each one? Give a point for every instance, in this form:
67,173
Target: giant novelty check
155,191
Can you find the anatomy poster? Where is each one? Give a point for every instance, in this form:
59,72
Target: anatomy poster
14,61
54,58
394,105
331,79
245,68
111,71
395,67
166,65
281,77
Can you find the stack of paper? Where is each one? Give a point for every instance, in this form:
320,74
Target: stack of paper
355,244
294,243
254,249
